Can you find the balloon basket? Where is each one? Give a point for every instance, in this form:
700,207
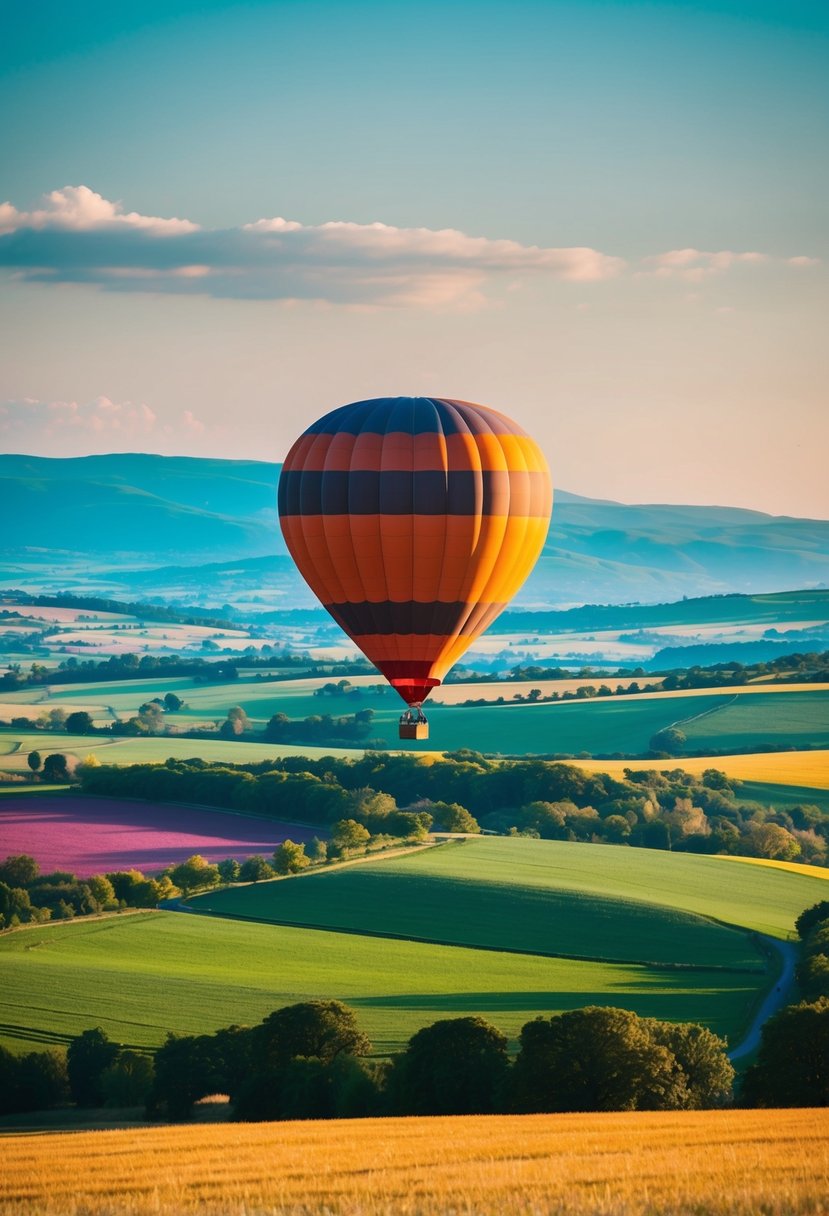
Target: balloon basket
414,730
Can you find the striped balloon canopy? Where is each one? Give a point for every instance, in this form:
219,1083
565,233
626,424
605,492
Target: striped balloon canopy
414,520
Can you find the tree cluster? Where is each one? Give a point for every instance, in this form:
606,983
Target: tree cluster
308,1061
463,791
29,897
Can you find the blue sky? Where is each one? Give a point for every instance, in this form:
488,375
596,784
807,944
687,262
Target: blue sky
646,184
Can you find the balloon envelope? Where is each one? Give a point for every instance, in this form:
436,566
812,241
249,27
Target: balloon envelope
414,520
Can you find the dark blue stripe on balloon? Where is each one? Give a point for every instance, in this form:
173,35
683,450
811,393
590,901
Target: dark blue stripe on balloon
409,617
426,492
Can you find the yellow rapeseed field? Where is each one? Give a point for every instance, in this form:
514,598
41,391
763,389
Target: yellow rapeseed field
795,867
632,1164
777,768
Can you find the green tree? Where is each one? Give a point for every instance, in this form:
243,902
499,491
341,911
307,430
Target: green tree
317,850
172,702
102,890
449,817
289,858
15,906
349,834
595,1059
184,1073
229,870
195,872
151,717
128,1080
453,1067
80,723
701,1055
323,1029
255,869
55,767
34,761
671,740
772,841
804,924
237,723
88,1055
792,1066
19,870
42,1080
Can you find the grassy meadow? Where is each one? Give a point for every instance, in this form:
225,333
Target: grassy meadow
542,895
142,975
701,1163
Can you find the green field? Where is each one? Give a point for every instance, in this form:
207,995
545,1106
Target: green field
783,795
153,750
724,721
781,718
598,900
139,976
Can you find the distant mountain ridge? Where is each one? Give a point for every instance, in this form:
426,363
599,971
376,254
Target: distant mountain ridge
133,509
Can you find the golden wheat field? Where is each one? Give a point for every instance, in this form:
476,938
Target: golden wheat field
631,1164
777,768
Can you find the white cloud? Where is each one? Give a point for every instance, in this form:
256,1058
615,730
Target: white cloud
79,209
65,428
77,236
693,265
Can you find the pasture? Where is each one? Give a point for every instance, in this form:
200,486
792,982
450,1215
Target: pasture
142,975
96,835
700,1163
599,900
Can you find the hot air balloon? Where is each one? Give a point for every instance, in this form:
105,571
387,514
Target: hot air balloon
414,520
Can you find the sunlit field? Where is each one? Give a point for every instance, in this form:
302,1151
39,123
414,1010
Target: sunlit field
546,895
710,1163
142,975
793,867
795,768
635,913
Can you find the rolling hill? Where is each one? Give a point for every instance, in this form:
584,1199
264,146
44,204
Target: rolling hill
188,512
473,928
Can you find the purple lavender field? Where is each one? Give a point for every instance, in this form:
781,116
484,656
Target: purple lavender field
94,835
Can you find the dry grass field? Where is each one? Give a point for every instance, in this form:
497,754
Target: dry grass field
632,1164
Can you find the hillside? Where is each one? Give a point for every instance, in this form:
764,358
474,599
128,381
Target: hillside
188,512
554,897
471,929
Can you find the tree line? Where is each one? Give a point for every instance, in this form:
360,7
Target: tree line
29,897
792,1065
311,1061
464,792
139,667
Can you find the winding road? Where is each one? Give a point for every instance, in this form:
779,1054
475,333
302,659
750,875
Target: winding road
775,999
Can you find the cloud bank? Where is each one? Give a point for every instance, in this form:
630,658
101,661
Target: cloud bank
77,236
69,428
